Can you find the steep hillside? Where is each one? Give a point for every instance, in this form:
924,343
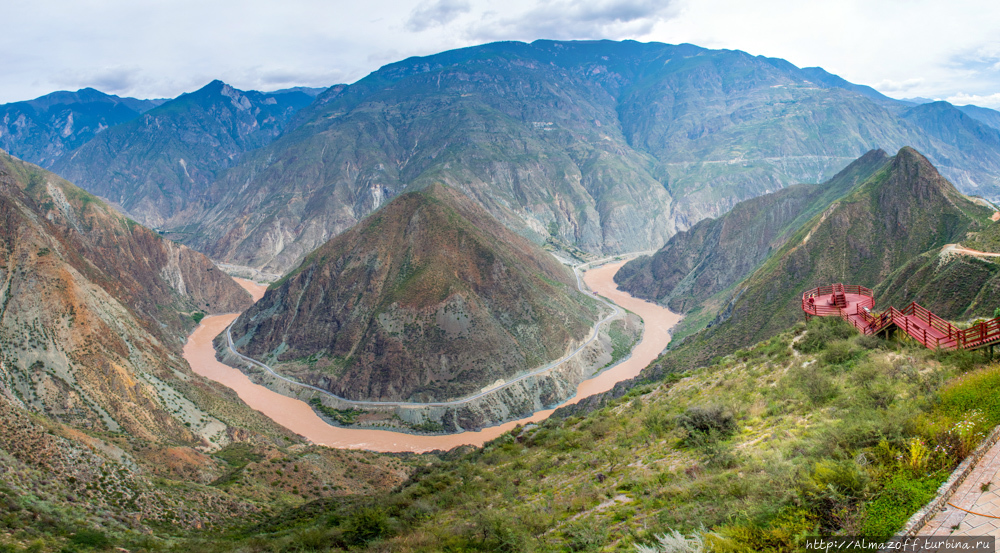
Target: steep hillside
717,253
158,165
859,433
107,431
95,308
44,129
429,298
903,211
986,116
607,146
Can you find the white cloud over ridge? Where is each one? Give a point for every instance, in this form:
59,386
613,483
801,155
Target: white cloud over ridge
161,48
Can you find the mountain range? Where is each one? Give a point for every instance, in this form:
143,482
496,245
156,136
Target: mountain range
876,234
601,147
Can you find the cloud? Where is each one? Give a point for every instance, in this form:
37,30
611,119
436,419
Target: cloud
435,14
889,86
982,58
987,100
569,19
113,80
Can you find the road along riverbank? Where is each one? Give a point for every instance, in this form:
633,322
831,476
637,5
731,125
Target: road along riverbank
299,417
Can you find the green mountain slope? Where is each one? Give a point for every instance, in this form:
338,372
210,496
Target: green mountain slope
158,165
428,298
901,212
717,253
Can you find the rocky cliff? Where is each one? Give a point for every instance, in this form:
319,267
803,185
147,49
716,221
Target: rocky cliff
94,310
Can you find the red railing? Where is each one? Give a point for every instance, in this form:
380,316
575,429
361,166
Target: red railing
826,310
917,321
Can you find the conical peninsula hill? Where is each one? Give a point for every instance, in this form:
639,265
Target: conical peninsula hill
901,212
94,310
718,253
427,299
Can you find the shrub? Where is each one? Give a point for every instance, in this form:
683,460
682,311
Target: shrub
892,507
822,331
839,352
674,542
367,524
713,420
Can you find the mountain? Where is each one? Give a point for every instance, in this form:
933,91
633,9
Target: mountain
604,146
429,298
44,129
986,116
107,432
717,253
157,166
901,212
95,308
953,135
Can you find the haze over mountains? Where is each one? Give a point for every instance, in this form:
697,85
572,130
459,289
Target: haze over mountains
607,146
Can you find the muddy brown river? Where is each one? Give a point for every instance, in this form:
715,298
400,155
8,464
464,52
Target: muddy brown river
298,417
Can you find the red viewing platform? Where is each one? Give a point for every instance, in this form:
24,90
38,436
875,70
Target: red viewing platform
855,304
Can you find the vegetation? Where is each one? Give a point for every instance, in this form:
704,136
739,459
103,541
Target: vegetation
860,429
346,417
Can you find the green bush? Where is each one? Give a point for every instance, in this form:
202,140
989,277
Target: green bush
821,331
713,420
839,352
367,524
885,515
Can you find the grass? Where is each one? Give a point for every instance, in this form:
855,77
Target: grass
859,432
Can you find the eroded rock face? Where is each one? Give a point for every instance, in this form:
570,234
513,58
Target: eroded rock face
429,298
94,310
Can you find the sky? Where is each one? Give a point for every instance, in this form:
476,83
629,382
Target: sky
161,48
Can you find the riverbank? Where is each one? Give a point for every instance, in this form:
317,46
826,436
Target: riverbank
299,417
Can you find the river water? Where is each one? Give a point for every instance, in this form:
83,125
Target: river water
298,417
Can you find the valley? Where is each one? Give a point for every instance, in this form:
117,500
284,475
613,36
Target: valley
299,417
520,296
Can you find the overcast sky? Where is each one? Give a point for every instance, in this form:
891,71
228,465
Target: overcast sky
161,48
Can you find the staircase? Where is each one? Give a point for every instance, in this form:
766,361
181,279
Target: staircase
854,304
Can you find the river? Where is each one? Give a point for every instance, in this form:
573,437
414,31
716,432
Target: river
299,417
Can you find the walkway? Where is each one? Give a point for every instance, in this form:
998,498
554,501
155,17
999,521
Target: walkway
954,521
854,304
